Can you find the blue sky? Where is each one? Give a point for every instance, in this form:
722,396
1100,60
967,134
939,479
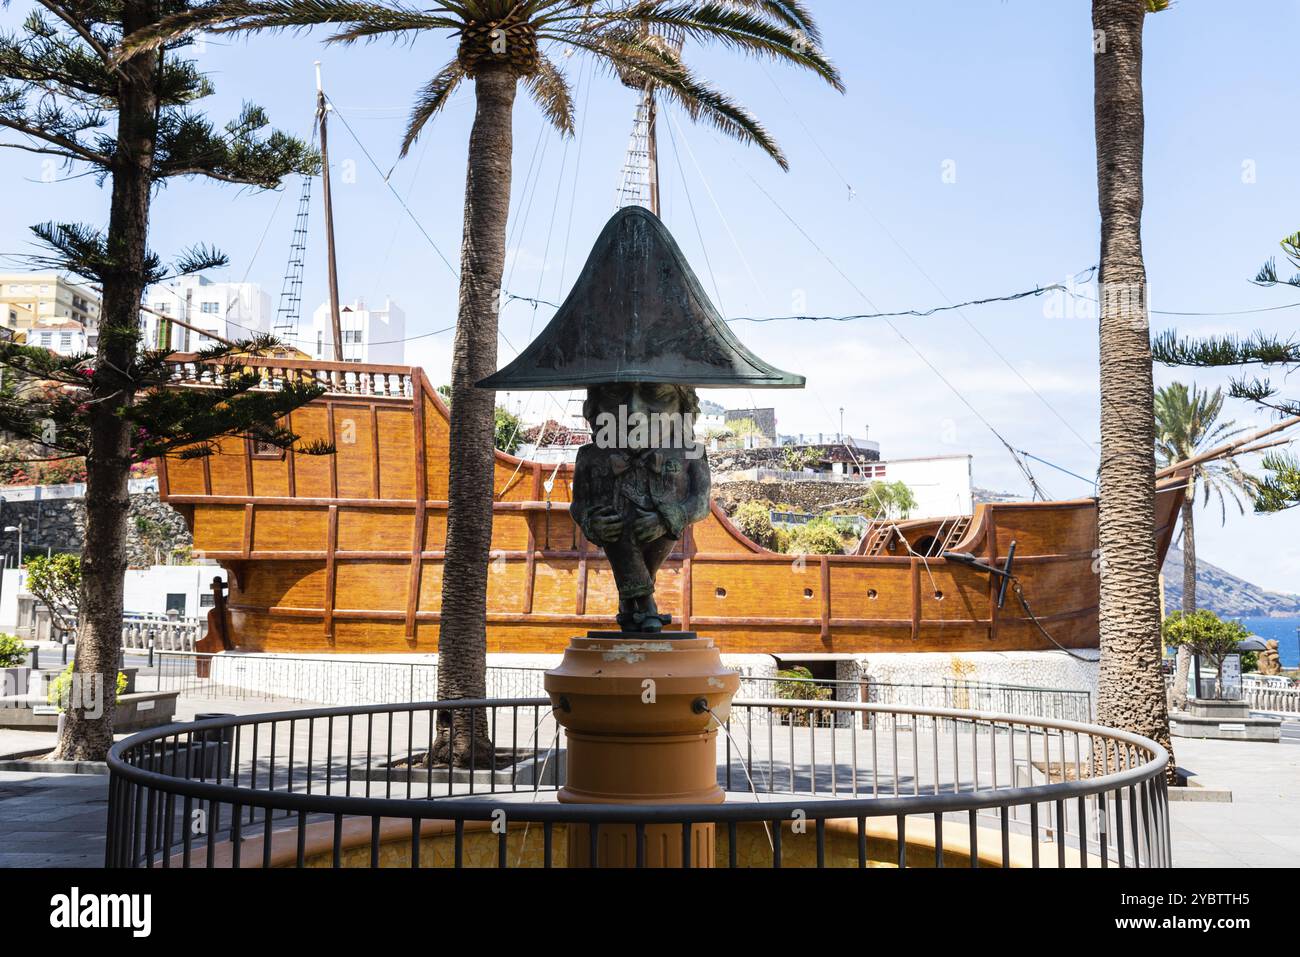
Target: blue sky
966,138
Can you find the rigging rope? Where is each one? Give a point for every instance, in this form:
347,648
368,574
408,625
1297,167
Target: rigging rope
928,278
880,503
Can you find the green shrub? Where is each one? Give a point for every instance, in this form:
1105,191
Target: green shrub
13,651
796,684
755,520
61,688
818,537
1204,633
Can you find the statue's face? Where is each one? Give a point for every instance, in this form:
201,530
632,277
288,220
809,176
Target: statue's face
646,412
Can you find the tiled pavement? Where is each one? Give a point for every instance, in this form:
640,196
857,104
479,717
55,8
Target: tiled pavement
1261,827
52,820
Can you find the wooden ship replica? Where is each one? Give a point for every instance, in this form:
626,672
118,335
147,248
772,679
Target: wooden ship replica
344,553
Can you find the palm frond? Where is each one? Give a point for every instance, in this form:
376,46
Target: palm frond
226,16
432,98
792,13
550,91
1187,425
730,24
628,52
392,23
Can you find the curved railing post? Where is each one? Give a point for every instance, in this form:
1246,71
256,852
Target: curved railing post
1105,791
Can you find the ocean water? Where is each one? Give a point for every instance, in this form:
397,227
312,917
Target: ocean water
1284,631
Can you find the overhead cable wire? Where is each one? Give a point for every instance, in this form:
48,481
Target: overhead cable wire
928,278
919,313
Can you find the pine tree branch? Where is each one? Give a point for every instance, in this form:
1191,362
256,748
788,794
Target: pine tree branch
1259,348
72,146
82,31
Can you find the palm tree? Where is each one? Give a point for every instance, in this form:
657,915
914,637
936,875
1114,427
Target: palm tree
1187,423
1131,692
501,44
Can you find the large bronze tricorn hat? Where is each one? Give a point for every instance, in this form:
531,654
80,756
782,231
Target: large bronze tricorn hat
637,314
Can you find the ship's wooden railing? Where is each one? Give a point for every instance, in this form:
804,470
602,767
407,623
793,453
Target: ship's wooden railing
337,378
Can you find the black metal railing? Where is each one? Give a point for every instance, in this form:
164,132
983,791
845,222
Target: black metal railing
313,787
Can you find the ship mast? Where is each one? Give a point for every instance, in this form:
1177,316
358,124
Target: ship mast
322,112
639,178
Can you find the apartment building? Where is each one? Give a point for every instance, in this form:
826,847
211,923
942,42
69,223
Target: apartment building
228,310
51,310
369,335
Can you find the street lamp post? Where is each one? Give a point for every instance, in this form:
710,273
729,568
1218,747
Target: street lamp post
19,529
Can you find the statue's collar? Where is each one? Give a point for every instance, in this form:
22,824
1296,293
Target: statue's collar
620,462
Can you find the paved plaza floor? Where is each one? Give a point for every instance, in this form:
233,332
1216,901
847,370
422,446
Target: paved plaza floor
1261,826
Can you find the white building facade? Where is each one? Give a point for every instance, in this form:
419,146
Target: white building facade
231,310
941,484
369,335
67,339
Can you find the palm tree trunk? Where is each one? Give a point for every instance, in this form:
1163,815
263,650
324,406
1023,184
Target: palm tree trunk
462,640
88,729
1132,693
1189,600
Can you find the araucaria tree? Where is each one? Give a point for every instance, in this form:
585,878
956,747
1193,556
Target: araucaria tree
129,119
1131,693
501,45
1187,424
1279,489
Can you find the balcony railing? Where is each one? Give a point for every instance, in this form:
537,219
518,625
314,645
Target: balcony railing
337,378
350,787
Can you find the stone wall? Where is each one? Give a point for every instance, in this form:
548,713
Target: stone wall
799,496
773,457
738,460
154,528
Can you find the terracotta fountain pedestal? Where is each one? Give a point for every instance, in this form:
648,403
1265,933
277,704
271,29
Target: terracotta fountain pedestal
641,714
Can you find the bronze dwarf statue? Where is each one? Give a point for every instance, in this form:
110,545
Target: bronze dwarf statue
635,496
639,334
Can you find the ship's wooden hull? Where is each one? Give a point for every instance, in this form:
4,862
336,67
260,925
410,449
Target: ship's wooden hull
343,553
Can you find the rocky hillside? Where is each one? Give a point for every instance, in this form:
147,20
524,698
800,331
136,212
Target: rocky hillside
1224,593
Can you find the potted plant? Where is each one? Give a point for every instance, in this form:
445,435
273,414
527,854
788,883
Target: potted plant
1207,635
61,689
13,666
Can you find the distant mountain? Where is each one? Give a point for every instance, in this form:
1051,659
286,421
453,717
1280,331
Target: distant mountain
982,496
1225,593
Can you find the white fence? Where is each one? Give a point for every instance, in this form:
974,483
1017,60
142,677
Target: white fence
167,634
329,679
41,493
1270,698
